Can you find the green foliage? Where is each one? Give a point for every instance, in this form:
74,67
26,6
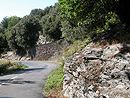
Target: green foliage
39,13
71,33
1,28
8,22
5,27
80,10
111,19
25,34
4,23
51,24
55,79
12,21
3,43
87,18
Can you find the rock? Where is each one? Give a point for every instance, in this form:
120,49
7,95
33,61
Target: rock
42,40
90,88
98,73
112,51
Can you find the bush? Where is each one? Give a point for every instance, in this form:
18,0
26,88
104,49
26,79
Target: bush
9,67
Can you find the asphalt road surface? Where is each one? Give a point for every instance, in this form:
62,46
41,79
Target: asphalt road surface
27,83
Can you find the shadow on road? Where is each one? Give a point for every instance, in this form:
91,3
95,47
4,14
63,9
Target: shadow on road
25,71
6,97
6,82
29,70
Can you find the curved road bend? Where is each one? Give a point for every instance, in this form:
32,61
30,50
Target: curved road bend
27,83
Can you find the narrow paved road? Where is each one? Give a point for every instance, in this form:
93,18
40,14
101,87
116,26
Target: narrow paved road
27,83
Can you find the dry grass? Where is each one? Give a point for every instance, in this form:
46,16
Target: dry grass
9,67
56,93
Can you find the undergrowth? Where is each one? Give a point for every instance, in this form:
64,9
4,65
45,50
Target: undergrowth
77,46
7,67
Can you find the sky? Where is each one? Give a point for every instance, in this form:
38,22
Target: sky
21,8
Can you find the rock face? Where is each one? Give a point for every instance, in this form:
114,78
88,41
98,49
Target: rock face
98,73
47,51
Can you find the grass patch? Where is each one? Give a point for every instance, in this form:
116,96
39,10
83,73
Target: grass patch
55,80
9,67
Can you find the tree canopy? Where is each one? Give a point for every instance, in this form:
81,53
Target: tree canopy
25,34
51,23
68,19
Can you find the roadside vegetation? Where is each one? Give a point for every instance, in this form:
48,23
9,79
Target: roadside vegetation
76,22
7,67
54,81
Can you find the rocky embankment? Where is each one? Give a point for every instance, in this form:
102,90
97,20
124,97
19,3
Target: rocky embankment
47,51
98,72
41,52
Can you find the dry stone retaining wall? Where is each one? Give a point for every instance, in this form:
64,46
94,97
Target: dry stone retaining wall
98,73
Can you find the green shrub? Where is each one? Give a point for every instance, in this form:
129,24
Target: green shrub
9,67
